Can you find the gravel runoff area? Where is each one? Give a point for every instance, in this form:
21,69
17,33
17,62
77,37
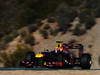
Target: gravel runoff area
53,72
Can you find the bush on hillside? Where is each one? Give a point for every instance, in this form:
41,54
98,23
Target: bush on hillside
51,20
44,33
23,32
66,14
54,32
46,27
13,60
90,23
29,39
32,28
64,27
87,20
3,46
9,38
78,31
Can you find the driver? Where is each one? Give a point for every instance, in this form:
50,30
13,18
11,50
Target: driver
59,45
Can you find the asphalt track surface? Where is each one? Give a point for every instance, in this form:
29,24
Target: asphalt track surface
42,69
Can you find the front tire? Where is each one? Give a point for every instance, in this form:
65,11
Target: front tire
85,61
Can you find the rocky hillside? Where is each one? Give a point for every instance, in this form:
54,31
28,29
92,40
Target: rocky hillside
14,14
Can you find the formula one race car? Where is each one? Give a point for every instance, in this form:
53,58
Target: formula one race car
63,56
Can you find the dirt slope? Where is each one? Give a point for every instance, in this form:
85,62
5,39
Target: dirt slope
96,45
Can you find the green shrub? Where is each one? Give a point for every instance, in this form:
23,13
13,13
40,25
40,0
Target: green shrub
9,38
90,23
90,46
29,39
54,32
23,32
66,14
78,31
51,20
44,33
46,27
13,60
87,19
99,60
32,28
64,27
3,46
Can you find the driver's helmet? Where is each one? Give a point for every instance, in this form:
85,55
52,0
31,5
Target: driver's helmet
59,45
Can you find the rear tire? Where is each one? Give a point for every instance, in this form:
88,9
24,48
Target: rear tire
85,61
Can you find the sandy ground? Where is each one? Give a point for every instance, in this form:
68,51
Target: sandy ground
96,45
60,72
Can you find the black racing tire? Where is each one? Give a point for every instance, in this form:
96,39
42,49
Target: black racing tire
30,55
39,62
85,61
